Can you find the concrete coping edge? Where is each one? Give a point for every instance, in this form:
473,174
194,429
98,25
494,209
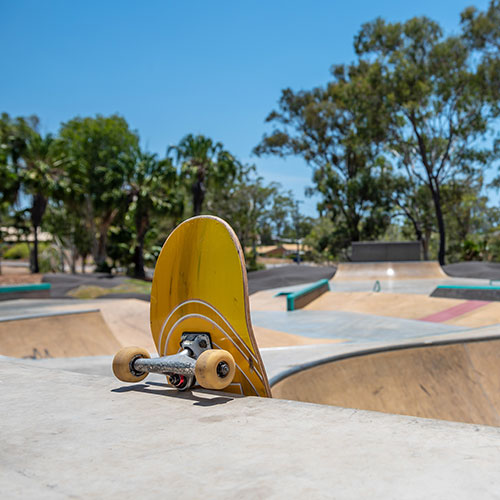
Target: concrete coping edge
48,314
375,350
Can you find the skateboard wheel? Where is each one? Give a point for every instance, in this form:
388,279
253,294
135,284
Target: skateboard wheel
123,364
215,369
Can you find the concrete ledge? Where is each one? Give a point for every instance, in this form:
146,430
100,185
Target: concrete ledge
90,436
299,299
49,314
29,291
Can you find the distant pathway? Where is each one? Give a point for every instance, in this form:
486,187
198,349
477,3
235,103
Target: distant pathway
275,277
283,276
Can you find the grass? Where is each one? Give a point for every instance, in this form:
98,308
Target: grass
93,292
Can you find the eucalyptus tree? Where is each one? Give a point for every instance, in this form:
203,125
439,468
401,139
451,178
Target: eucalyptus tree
281,212
413,201
203,164
338,130
98,155
482,29
439,103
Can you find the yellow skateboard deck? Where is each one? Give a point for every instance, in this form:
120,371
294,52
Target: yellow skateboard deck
200,285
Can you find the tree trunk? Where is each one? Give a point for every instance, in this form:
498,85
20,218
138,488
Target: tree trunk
101,248
142,226
425,247
139,260
198,190
198,197
84,258
34,259
38,207
74,256
100,257
436,197
93,232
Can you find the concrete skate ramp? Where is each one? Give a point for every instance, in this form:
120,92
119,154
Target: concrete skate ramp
69,334
458,381
359,271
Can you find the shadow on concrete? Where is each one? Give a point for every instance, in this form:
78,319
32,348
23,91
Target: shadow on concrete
477,270
166,390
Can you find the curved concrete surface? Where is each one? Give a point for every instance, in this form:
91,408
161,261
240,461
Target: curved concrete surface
74,333
388,270
454,381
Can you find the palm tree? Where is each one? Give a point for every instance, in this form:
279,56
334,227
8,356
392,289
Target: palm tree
30,156
38,178
203,162
152,191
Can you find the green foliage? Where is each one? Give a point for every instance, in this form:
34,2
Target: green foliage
338,130
49,259
482,29
17,251
471,250
252,264
154,192
203,164
322,240
98,156
246,203
439,104
27,169
493,248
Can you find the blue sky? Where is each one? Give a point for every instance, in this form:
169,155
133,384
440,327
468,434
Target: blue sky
172,68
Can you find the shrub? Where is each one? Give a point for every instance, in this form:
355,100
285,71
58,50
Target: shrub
17,251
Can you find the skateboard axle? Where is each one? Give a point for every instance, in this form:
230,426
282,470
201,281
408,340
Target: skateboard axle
180,368
181,364
196,362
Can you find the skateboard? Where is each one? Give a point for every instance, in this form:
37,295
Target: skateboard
200,315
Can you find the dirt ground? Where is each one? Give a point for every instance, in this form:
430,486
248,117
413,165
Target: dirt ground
18,278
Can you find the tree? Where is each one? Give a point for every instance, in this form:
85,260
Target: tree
439,103
245,203
68,225
470,219
203,164
153,191
32,170
415,203
320,239
98,156
9,183
38,178
482,29
281,213
338,131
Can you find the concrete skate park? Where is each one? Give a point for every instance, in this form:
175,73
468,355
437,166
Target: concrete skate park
385,383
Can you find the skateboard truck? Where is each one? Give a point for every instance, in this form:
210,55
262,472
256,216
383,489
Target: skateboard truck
197,362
